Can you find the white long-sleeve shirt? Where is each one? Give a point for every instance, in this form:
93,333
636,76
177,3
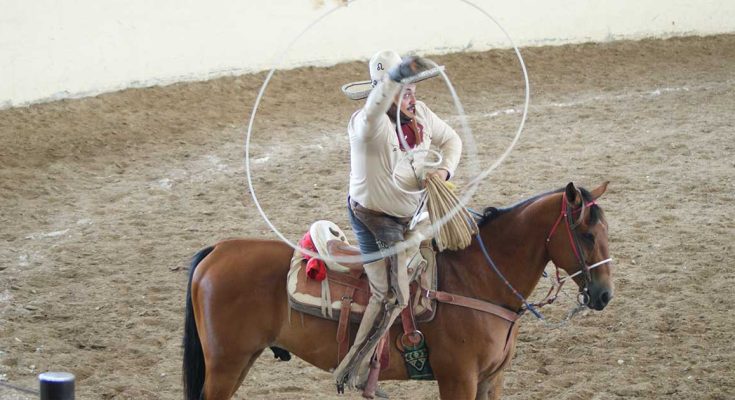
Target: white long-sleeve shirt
375,152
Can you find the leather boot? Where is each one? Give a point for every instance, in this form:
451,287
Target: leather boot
394,303
347,370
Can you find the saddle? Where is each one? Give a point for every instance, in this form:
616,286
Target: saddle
345,292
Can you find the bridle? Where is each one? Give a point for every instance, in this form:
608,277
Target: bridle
567,215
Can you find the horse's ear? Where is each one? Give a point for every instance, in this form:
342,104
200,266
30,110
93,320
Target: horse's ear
572,193
599,190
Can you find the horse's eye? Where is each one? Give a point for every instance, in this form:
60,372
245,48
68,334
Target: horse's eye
588,237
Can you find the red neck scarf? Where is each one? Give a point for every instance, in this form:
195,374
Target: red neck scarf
413,132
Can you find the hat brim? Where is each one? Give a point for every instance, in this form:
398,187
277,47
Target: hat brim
361,89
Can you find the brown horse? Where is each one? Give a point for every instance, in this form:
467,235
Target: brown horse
237,303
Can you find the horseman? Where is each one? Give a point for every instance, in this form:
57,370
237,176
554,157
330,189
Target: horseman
389,166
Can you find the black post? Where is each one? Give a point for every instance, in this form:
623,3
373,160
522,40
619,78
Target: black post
56,386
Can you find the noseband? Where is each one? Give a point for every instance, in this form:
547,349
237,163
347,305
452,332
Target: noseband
567,214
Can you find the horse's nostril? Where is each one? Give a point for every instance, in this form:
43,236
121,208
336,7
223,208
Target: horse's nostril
605,297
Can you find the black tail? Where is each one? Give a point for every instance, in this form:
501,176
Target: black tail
193,365
280,353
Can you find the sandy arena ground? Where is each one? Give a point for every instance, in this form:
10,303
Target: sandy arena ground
105,199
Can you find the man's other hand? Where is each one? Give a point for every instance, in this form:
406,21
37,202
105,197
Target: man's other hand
443,174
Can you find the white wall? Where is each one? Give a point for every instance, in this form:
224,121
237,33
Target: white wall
51,49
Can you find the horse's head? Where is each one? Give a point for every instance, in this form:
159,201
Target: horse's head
577,243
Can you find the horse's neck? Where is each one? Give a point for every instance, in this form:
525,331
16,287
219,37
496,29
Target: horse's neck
516,242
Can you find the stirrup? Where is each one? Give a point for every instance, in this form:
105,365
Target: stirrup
340,388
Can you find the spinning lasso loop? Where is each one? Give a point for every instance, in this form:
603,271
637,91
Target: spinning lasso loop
472,186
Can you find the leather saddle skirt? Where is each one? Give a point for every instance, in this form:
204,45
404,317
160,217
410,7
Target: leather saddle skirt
346,285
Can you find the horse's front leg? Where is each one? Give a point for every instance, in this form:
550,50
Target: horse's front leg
490,385
460,386
483,389
491,388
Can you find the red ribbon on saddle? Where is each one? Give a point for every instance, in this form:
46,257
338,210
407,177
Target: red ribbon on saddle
315,268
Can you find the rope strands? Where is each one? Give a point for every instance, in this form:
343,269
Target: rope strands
457,232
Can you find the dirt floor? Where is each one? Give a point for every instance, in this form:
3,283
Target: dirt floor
105,199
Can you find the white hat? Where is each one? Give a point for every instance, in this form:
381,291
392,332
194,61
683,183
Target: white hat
379,65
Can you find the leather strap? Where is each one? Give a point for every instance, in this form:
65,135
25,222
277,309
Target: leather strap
474,304
408,321
385,353
343,328
346,279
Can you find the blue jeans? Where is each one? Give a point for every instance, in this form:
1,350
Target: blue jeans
365,238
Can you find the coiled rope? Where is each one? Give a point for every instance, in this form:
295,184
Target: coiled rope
457,232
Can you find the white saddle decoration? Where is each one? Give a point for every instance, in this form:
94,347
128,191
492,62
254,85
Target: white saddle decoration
321,233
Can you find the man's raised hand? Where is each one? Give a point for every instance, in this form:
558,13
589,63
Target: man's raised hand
409,66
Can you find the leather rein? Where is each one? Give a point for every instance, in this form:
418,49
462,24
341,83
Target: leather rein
567,215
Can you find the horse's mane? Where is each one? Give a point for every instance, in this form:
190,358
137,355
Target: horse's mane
491,213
